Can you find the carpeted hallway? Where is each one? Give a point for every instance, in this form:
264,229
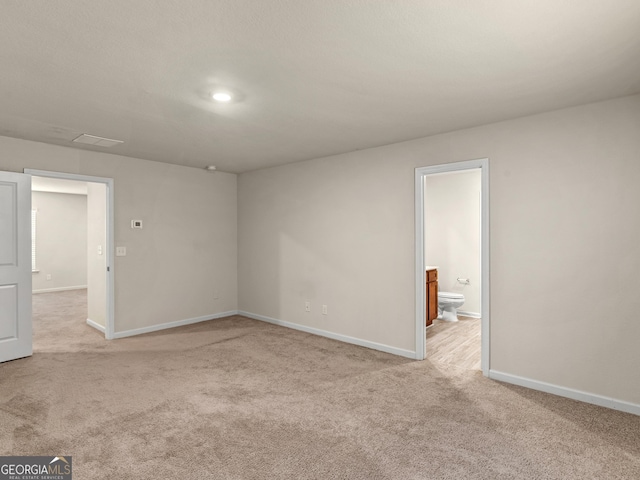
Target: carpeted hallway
241,399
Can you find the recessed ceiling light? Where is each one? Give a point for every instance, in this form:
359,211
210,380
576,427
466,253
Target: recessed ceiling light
221,96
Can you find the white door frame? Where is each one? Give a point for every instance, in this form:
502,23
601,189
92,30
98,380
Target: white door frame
108,182
421,172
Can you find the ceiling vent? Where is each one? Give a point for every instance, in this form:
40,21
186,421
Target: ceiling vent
97,141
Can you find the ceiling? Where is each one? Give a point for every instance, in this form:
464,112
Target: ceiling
310,78
58,185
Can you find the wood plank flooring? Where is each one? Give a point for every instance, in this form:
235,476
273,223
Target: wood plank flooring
455,343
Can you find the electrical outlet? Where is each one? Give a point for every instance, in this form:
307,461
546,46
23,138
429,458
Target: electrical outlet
307,306
324,309
121,251
48,276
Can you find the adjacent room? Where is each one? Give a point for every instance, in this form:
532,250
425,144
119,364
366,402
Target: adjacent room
68,251
452,245
285,208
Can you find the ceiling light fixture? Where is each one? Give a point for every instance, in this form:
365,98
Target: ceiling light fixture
221,97
210,168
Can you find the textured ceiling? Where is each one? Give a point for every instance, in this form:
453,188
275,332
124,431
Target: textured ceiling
312,78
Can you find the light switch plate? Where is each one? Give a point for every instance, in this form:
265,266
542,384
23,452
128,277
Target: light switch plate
121,251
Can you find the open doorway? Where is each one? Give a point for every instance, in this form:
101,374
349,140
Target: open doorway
463,255
72,238
452,255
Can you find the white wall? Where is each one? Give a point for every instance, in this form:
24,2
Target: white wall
96,252
188,247
61,241
564,243
452,233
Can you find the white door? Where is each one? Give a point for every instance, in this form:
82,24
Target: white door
15,266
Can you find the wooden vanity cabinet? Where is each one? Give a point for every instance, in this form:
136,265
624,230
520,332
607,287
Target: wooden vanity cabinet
431,296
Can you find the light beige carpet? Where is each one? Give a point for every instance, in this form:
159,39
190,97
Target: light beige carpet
240,399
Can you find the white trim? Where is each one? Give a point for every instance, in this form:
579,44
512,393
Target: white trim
60,289
485,265
469,314
420,294
65,176
579,395
34,236
420,173
177,323
95,325
110,238
335,336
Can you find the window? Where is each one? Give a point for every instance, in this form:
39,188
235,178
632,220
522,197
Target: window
34,215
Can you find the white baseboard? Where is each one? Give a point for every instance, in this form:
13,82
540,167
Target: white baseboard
95,325
177,323
469,314
60,289
335,336
566,392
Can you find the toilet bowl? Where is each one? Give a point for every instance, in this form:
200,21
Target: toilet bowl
448,304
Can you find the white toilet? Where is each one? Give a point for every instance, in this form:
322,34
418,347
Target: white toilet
448,304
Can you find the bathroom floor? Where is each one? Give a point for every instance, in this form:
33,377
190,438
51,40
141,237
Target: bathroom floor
455,343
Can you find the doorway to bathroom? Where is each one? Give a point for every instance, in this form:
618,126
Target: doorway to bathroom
452,246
